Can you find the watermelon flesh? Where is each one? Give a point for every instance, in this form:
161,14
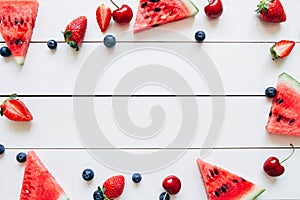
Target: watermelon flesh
152,13
284,117
221,184
38,183
17,20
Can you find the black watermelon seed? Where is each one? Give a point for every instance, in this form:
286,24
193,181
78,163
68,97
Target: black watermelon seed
235,181
154,1
243,180
157,9
144,4
270,114
217,194
155,25
224,189
16,21
212,173
21,21
292,121
279,100
216,171
19,41
279,118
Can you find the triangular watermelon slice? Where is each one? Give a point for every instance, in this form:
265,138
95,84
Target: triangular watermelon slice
17,20
152,13
221,184
38,183
284,117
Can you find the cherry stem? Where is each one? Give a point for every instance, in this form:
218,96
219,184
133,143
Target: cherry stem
289,155
114,4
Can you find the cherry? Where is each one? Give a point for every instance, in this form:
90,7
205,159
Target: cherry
122,15
172,184
214,9
273,167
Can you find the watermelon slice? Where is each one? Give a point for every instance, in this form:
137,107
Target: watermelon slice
284,117
152,13
17,20
221,184
38,183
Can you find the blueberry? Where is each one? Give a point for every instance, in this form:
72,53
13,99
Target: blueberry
270,92
136,177
52,44
5,51
164,196
2,149
199,36
98,195
21,157
88,174
109,41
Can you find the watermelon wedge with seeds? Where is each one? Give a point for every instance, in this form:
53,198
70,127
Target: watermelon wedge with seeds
284,117
221,184
152,13
17,20
38,183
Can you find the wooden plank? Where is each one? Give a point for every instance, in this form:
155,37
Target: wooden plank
238,23
162,69
67,165
143,122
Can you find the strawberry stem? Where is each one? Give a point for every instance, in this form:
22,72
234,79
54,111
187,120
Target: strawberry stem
289,155
114,4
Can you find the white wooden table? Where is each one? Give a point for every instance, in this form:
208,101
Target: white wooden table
238,45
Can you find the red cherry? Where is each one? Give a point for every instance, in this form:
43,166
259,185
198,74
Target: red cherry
214,9
273,167
122,15
172,184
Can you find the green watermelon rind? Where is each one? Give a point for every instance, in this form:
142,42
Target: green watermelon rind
63,197
191,6
289,81
254,193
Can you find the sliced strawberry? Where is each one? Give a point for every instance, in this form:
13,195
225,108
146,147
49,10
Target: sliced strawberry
113,187
75,32
103,16
271,11
15,110
282,49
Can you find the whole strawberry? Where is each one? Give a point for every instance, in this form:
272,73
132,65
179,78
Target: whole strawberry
75,32
271,11
15,110
113,187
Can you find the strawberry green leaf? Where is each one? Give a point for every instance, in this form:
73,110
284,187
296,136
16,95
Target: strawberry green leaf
73,45
273,53
67,35
13,96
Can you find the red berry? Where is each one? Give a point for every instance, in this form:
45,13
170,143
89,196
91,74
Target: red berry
273,167
172,184
122,15
114,186
214,9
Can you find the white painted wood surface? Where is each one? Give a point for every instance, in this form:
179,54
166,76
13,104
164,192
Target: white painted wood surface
238,45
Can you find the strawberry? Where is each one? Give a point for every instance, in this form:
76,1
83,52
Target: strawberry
282,49
75,32
15,110
103,16
113,187
271,11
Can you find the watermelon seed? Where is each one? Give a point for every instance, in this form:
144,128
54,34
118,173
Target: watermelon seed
155,25
270,114
212,173
157,9
279,118
144,4
154,1
21,21
279,100
16,21
217,193
235,181
292,121
19,41
216,171
224,188
243,180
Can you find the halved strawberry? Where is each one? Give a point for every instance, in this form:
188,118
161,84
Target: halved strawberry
282,49
15,110
103,16
75,32
271,11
